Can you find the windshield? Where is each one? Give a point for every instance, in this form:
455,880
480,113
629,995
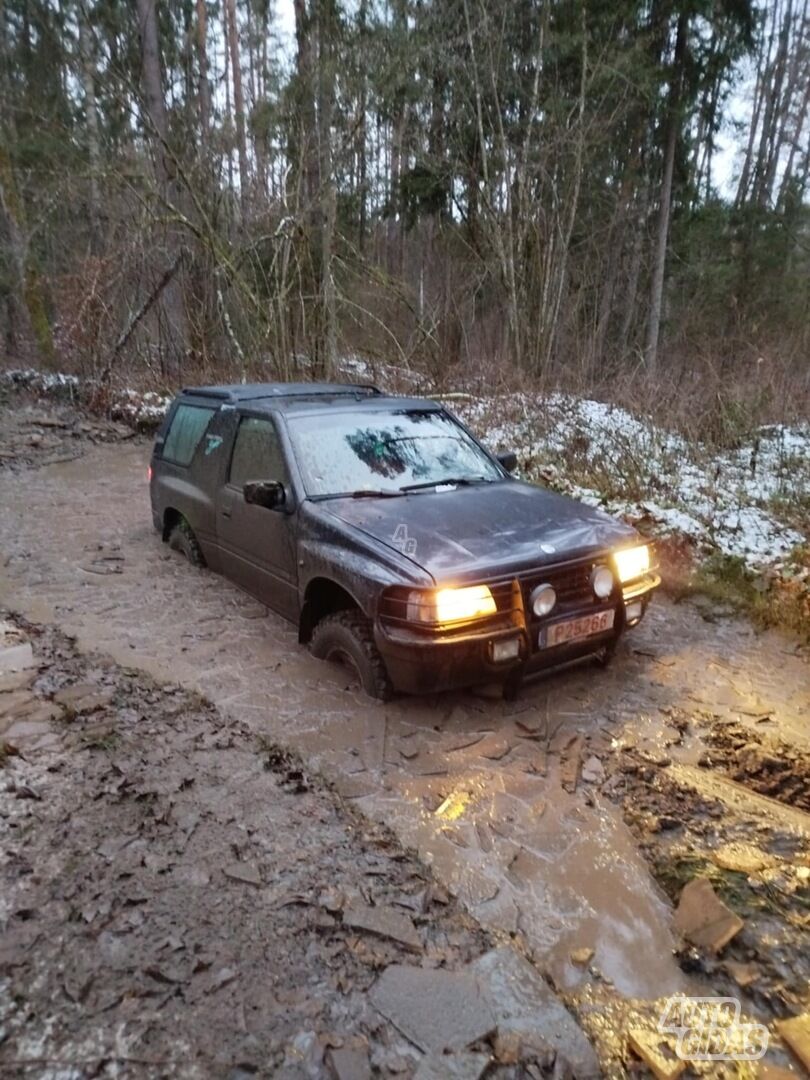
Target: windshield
364,451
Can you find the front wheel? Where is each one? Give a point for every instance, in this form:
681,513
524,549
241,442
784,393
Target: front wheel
346,637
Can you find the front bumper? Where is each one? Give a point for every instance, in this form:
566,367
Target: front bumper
420,663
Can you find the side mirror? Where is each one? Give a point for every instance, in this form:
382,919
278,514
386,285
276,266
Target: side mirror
267,493
508,460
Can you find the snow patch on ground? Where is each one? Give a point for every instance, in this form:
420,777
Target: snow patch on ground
608,457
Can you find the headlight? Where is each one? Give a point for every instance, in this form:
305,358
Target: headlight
632,562
451,605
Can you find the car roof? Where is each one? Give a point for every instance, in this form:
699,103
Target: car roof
304,397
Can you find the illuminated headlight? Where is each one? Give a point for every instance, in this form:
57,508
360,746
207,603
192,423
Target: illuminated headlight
602,581
632,562
451,605
543,599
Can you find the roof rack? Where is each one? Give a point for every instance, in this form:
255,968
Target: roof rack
257,391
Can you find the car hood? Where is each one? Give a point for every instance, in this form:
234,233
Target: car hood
484,530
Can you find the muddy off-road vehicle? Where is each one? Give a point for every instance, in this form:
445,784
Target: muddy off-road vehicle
394,540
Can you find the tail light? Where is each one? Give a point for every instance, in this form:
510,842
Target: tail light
149,474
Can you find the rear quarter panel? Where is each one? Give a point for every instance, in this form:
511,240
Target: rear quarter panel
191,490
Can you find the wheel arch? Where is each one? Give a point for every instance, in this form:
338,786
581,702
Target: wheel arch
323,596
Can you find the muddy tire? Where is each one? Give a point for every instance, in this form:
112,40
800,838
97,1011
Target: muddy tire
347,638
182,539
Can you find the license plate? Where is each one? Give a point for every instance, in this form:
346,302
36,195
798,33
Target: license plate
576,629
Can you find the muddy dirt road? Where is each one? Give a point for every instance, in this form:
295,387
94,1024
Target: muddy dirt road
507,801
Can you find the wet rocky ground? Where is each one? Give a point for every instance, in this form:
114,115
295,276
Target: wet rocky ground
183,898
567,822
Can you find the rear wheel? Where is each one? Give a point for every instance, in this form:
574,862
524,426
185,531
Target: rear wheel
182,539
346,637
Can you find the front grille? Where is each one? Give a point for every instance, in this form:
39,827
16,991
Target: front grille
572,584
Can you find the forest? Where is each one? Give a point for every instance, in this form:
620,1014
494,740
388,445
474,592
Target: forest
484,193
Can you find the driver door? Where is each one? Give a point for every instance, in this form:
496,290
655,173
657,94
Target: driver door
257,545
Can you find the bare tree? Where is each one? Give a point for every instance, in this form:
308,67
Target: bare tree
238,103
665,200
172,303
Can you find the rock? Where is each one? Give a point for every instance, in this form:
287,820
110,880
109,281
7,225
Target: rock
354,787
17,680
385,922
744,858
523,1002
349,1063
530,726
656,1053
436,1010
703,918
571,764
593,771
429,765
15,649
17,703
742,974
493,748
768,1071
246,872
796,1033
83,697
467,1066
581,957
27,729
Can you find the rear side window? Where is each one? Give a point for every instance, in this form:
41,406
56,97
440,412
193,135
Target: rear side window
257,453
188,427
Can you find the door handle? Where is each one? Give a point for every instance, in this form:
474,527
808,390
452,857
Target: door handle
226,511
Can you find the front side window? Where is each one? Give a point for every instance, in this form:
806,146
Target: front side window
341,453
187,429
257,453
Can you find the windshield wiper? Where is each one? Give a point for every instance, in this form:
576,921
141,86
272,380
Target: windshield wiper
456,481
371,493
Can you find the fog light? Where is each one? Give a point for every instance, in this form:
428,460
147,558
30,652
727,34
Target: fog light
633,612
602,582
543,599
508,649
